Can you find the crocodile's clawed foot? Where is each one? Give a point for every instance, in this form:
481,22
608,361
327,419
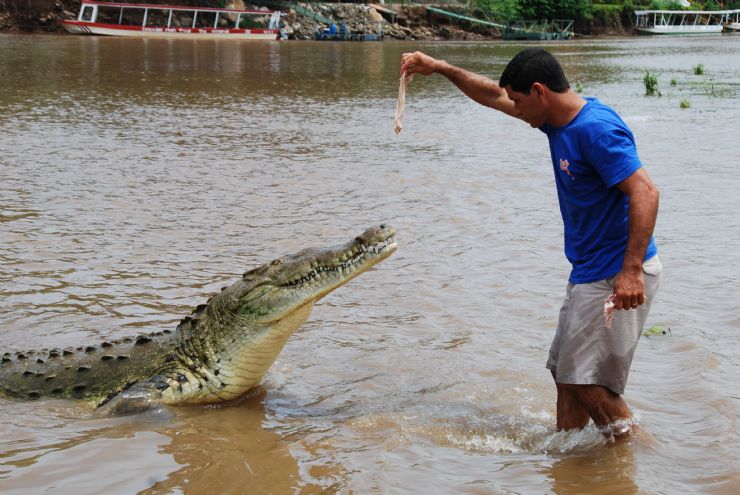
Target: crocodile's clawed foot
134,400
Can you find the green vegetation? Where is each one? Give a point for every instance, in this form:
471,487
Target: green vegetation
533,9
651,84
713,5
685,103
717,90
673,82
699,70
553,9
579,87
498,9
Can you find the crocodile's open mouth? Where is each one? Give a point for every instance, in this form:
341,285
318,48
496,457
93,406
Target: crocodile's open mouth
353,260
277,289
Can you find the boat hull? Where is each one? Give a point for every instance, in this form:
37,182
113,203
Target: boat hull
734,26
96,28
712,29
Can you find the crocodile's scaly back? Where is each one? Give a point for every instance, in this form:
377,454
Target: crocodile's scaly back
217,353
93,373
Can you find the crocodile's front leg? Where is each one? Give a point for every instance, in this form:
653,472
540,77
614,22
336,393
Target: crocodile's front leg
136,399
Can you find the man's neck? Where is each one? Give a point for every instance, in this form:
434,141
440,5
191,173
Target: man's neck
565,107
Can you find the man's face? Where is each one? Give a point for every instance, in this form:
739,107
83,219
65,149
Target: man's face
528,107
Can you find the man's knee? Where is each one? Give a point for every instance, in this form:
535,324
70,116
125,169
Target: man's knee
587,393
594,392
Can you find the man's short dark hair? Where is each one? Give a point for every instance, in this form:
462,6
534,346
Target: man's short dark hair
534,65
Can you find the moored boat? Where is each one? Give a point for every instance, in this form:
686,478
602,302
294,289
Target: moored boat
733,22
681,21
168,21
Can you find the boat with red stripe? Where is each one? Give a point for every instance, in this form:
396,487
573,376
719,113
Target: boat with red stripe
170,21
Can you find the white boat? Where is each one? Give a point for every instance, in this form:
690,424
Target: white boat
733,22
681,21
168,21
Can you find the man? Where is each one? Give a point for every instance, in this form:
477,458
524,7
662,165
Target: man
609,206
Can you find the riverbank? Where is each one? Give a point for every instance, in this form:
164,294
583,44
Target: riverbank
407,22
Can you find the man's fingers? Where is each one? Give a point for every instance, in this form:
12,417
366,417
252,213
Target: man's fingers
408,66
633,302
629,301
407,63
416,62
639,301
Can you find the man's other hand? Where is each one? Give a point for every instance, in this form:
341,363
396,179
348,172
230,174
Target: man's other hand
629,290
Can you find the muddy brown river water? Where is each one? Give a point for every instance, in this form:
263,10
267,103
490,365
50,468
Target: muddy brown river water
139,176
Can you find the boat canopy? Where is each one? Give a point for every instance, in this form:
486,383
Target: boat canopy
89,12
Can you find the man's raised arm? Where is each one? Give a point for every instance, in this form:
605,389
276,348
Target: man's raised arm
479,88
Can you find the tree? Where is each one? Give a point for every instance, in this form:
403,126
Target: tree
554,9
498,9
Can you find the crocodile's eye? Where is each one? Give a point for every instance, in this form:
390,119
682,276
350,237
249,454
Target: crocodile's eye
276,262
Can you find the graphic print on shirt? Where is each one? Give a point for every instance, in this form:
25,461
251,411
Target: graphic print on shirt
564,167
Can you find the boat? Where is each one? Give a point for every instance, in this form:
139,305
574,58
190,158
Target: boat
169,21
681,21
556,29
733,21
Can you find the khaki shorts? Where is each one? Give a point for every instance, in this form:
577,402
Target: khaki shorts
586,352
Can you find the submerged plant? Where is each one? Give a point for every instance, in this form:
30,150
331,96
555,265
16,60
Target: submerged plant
716,90
685,103
579,87
651,84
673,82
699,70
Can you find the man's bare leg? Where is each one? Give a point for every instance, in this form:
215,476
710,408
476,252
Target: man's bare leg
570,413
577,403
608,409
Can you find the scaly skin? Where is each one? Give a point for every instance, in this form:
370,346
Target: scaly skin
218,353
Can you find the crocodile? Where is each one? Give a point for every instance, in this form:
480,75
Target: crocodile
217,353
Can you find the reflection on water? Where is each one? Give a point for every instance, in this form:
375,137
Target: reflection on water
606,470
140,176
200,450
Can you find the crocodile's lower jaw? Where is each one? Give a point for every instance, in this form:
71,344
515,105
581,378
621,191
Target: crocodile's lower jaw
241,369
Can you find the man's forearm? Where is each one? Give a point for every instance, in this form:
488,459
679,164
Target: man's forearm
479,88
642,214
629,286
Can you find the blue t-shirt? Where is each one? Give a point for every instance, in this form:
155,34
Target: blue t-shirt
590,155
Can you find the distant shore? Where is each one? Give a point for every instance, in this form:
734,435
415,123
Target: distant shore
409,22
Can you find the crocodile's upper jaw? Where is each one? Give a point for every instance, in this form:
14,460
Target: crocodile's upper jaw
271,292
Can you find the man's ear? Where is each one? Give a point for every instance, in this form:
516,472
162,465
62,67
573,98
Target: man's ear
538,88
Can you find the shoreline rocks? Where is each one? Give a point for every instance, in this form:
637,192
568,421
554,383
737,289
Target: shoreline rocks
393,22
